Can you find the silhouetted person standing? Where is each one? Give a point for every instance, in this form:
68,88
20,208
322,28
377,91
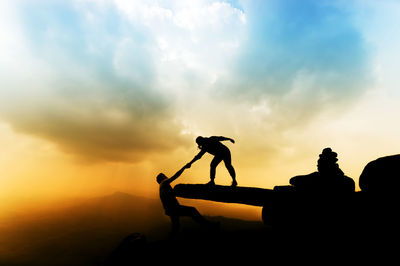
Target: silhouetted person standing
214,146
171,205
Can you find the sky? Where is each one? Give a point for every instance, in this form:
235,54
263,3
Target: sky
98,96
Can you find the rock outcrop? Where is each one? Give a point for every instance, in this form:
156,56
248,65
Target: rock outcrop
296,208
381,175
229,194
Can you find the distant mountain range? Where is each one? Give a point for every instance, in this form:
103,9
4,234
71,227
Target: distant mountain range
85,234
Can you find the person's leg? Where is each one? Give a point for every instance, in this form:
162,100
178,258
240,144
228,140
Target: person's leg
213,166
193,213
174,225
228,165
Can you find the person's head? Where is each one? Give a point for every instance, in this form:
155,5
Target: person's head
200,141
160,178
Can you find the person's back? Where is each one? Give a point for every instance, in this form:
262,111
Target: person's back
167,196
214,146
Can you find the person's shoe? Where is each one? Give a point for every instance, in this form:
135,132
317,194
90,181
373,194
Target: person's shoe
211,183
234,183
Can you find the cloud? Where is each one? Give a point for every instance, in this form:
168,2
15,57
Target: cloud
294,62
103,79
119,80
303,57
186,15
91,91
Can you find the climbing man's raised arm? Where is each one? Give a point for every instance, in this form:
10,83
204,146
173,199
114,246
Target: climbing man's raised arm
178,174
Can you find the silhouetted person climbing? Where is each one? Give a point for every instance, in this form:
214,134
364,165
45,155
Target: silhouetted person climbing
214,146
171,205
329,177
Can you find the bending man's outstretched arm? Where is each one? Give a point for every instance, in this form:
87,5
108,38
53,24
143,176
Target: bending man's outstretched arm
221,138
197,157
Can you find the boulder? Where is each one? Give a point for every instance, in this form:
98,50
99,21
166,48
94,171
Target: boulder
130,251
244,195
381,175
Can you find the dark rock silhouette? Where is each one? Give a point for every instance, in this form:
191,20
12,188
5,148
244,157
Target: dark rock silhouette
324,206
244,195
328,179
381,175
318,199
323,198
282,207
379,199
319,214
129,251
237,239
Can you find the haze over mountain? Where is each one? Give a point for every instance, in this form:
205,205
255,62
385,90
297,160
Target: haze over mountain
77,235
86,233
